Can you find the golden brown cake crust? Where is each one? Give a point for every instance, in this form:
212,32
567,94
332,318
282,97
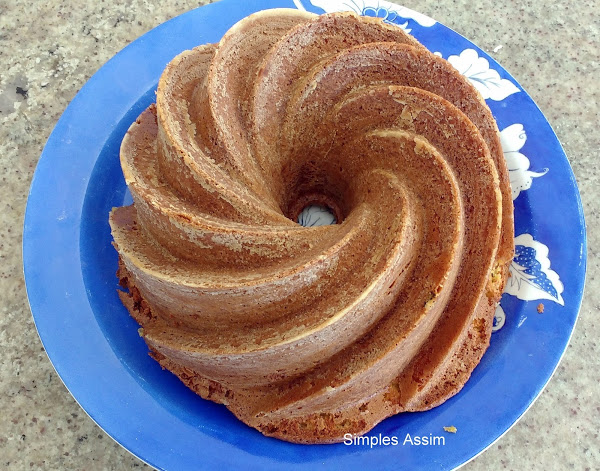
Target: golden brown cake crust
308,334
322,427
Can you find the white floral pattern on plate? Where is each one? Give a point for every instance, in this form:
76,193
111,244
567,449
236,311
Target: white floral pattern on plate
389,12
513,139
499,319
485,79
531,277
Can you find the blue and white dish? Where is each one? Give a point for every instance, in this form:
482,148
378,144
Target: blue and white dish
95,347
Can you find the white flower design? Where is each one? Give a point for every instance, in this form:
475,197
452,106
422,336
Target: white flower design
513,139
379,8
530,275
499,319
485,79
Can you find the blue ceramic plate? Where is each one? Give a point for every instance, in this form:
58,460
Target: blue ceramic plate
94,345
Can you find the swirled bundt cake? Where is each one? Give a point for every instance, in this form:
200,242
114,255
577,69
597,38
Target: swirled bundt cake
309,333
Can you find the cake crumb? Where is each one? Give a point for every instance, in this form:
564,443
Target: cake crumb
540,308
451,429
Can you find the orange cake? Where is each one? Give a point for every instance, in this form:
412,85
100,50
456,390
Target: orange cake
310,333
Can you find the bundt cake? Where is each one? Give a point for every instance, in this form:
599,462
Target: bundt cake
310,333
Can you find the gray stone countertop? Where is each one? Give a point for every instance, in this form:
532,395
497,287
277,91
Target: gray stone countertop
49,49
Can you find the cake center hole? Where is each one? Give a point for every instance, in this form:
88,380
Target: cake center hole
316,215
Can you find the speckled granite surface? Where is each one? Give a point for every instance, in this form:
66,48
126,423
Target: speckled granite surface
48,49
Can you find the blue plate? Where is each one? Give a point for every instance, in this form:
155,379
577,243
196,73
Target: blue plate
94,345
